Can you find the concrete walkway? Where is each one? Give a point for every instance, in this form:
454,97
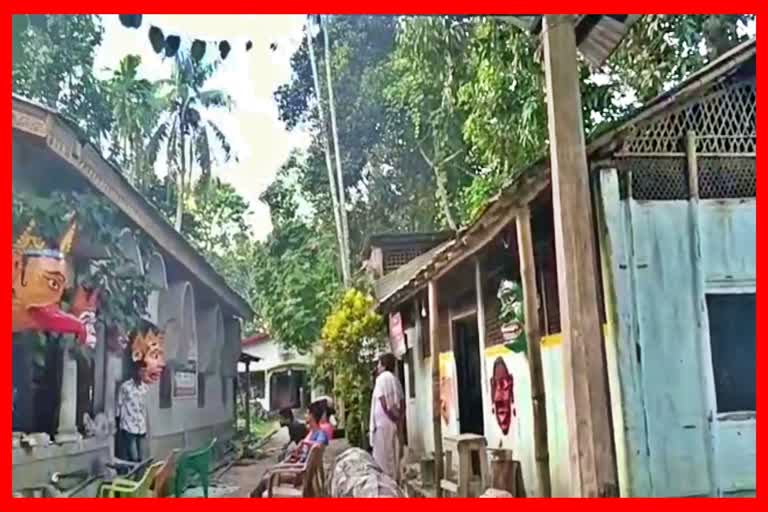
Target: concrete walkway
245,476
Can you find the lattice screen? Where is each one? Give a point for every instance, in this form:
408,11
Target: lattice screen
727,177
396,258
724,123
653,157
656,179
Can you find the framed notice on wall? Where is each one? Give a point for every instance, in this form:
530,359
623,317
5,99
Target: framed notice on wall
185,381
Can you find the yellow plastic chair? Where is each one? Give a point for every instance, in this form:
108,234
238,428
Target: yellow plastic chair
122,488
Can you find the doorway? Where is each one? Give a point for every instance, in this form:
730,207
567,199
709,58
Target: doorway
466,348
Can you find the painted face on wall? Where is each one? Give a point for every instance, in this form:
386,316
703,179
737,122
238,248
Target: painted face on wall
512,315
148,350
38,281
502,395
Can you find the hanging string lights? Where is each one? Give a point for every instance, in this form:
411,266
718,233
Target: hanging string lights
169,44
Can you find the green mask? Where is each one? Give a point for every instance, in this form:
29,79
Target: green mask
512,315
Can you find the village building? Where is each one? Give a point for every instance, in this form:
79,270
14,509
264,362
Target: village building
673,196
194,399
280,378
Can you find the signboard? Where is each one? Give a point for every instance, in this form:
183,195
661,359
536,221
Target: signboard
396,335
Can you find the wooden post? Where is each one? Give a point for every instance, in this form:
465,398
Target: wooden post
699,305
531,302
590,438
434,340
485,382
248,398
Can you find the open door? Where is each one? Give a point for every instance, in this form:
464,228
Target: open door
468,377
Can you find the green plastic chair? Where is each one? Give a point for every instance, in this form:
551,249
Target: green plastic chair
198,461
124,488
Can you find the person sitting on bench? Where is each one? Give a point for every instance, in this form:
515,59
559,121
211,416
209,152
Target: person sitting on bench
299,454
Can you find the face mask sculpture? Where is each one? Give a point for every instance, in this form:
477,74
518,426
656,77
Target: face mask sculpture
502,395
148,351
38,282
512,316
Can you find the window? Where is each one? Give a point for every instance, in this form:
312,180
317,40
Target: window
732,337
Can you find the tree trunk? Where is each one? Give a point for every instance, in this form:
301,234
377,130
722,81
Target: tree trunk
180,196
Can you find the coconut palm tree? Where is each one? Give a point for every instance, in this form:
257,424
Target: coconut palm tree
188,136
135,107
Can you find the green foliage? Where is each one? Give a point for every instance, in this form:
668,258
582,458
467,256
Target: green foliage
53,63
136,108
124,286
389,185
351,337
184,131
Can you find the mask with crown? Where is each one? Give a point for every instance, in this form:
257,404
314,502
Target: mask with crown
40,276
148,350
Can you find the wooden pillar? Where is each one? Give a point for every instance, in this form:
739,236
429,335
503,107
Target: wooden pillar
590,438
485,382
531,303
434,340
247,398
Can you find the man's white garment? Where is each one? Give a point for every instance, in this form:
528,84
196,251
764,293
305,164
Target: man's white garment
383,431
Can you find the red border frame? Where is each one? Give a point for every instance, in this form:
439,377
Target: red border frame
355,7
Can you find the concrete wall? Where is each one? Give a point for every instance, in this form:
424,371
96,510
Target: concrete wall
520,436
661,273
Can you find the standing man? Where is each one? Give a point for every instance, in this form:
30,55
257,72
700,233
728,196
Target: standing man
132,412
387,407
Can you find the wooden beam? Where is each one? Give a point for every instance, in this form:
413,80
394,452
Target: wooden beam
590,435
434,340
533,335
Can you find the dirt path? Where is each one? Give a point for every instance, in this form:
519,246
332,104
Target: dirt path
246,477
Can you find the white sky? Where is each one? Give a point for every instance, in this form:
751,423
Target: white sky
258,137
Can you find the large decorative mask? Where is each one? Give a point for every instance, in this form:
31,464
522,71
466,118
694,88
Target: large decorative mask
512,315
148,350
38,282
502,395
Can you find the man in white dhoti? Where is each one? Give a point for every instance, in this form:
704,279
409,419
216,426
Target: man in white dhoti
387,408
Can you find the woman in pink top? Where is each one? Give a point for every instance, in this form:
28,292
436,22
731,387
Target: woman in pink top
325,425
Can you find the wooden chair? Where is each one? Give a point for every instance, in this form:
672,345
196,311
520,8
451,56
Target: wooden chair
122,488
198,461
311,473
161,487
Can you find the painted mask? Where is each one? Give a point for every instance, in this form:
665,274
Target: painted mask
512,315
148,350
502,395
38,282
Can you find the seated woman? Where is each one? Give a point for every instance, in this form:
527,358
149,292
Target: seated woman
300,453
325,424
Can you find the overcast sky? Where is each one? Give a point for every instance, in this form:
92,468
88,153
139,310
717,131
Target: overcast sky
258,137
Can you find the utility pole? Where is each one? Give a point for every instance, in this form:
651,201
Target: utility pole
590,435
337,152
343,253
